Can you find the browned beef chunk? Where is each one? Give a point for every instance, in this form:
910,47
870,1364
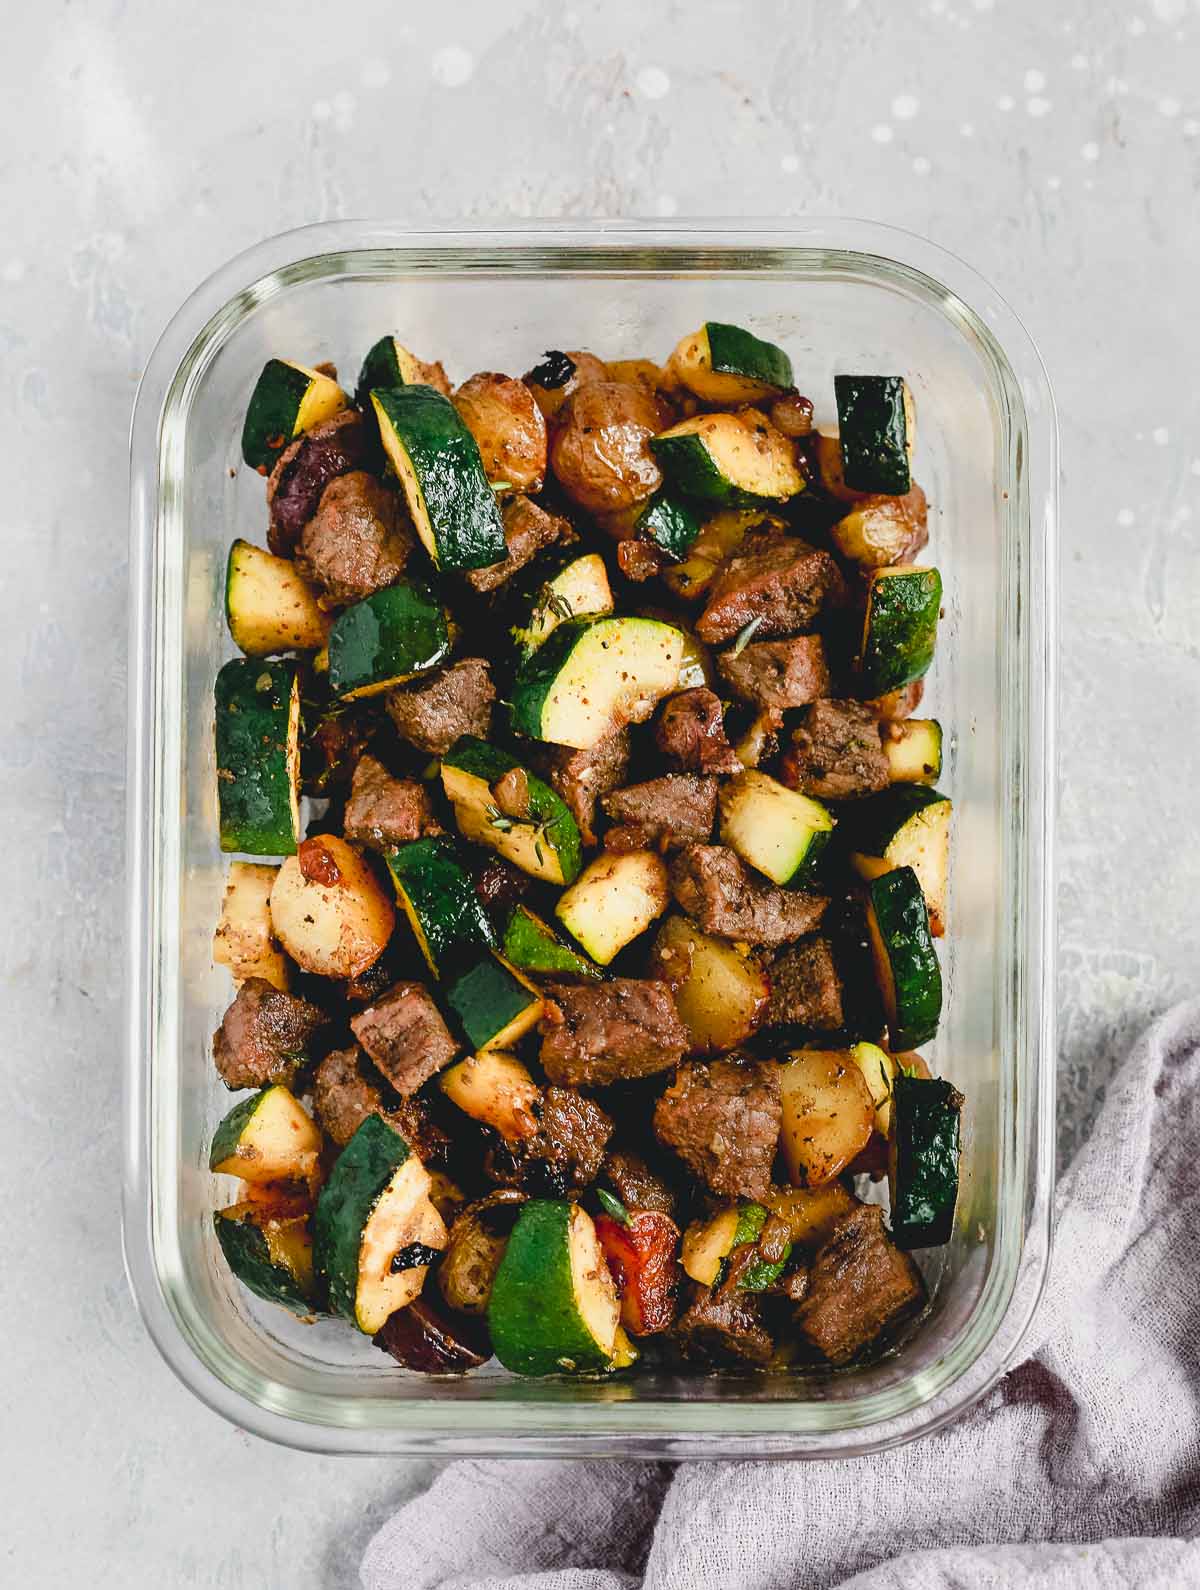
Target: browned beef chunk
629,836
636,1184
724,1325
358,540
678,809
723,1118
383,810
691,733
640,560
264,1036
859,1283
724,898
433,711
405,1036
304,469
528,530
837,752
342,1096
564,1153
596,1033
582,777
329,753
775,674
806,990
779,580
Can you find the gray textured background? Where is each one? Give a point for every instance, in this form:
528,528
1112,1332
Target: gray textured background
1056,147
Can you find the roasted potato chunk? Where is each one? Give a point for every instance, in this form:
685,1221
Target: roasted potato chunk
601,454
509,430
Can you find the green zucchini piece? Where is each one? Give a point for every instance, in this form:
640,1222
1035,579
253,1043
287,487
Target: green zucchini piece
908,825
553,1305
877,429
913,748
270,1252
669,523
499,803
287,399
532,946
900,630
376,1229
923,1160
441,904
593,676
495,1006
778,831
614,899
707,1248
258,756
390,636
906,964
726,364
439,468
388,364
556,587
265,1138
268,606
732,460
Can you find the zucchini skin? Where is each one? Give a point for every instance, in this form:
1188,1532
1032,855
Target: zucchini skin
876,821
229,1133
735,351
389,636
669,523
433,883
693,470
903,919
257,729
487,999
271,413
874,433
925,1150
533,947
489,763
532,1316
900,632
538,671
360,1174
246,1253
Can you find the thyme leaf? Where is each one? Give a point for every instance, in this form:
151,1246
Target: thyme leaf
744,636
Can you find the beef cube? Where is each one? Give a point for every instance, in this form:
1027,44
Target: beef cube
358,540
405,1036
597,1033
778,580
342,1096
582,777
678,809
723,1119
806,990
264,1036
384,811
640,560
724,1326
777,674
859,1284
566,1151
440,707
528,530
304,469
691,733
636,1184
724,898
837,752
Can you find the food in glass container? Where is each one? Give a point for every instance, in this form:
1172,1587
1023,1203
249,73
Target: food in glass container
601,681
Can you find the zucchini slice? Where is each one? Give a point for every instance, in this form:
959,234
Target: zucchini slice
923,1160
494,1004
441,904
268,606
376,1229
258,756
913,748
245,940
593,676
267,1137
719,535
707,1244
877,428
778,831
439,468
553,1305
390,636
499,803
725,364
287,399
906,964
613,900
669,523
900,630
907,825
270,1252
560,587
532,946
495,1089
879,1071
733,460
389,363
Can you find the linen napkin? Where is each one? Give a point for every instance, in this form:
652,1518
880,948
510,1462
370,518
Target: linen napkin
1080,1468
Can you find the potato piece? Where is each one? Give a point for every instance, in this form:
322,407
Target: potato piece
550,398
879,1070
828,1114
879,531
636,372
810,1213
245,940
600,453
496,1089
328,909
476,1245
720,994
829,467
509,430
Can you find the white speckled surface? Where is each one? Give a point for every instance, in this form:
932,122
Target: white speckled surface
1057,148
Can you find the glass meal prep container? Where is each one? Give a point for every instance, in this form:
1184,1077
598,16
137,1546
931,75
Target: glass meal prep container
840,296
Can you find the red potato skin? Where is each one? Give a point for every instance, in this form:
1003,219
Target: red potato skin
641,1257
